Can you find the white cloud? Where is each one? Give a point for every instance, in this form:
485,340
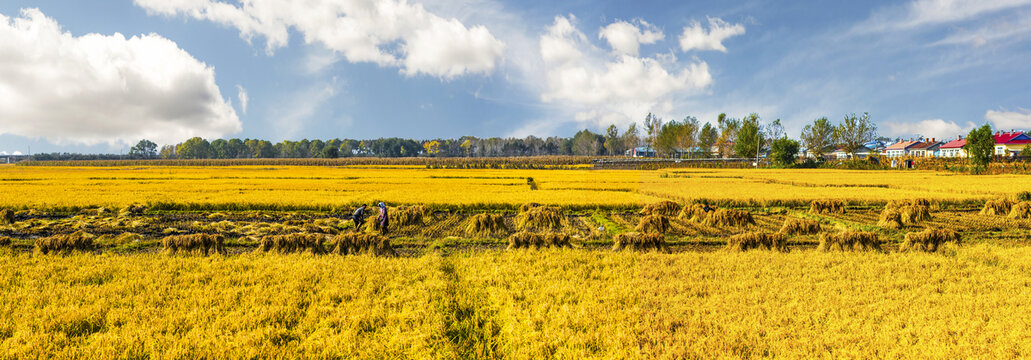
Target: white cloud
385,32
920,13
293,114
695,37
241,94
602,88
1006,120
97,89
934,128
626,38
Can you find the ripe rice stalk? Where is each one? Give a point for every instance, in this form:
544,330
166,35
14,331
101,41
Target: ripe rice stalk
997,207
541,218
411,215
196,244
653,224
757,240
891,218
65,243
122,239
850,240
929,240
1021,210
664,208
635,241
729,217
827,206
694,212
133,210
486,225
293,243
796,226
526,240
356,243
6,217
528,206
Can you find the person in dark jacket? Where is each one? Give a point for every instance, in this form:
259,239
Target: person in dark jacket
359,217
384,219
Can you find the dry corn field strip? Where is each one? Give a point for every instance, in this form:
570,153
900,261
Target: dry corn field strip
265,262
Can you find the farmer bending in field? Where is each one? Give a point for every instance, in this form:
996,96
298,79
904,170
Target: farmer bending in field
384,220
359,217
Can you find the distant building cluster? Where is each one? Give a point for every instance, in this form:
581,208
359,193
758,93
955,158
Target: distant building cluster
1007,144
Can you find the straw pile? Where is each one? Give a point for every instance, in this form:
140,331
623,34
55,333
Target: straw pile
197,244
354,243
486,225
828,206
411,215
1021,210
293,243
928,240
850,240
653,224
899,213
757,240
997,207
796,226
540,218
525,240
694,212
664,208
634,241
729,217
6,217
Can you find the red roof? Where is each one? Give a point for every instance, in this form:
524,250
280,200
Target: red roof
955,144
1012,138
901,145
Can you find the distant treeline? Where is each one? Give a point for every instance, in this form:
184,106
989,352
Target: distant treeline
523,162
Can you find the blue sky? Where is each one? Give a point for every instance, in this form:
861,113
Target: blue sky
447,68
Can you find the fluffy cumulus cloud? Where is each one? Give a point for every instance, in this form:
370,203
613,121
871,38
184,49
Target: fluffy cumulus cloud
695,37
626,38
1007,120
98,89
386,32
934,128
604,88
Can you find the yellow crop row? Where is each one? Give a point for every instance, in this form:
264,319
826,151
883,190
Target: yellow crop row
970,302
287,187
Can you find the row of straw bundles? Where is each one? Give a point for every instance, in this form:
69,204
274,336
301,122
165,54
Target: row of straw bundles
65,243
929,240
1019,210
694,212
729,217
827,206
757,240
635,241
411,215
796,226
653,224
357,243
525,239
664,208
198,244
540,218
486,225
850,240
293,243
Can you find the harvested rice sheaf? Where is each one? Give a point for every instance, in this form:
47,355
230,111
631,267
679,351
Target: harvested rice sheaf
694,212
729,217
909,212
796,226
890,218
757,240
635,241
197,244
65,243
528,206
1021,210
411,215
6,217
526,239
653,224
356,243
997,207
913,214
133,210
486,225
541,218
828,206
850,240
293,243
929,240
664,208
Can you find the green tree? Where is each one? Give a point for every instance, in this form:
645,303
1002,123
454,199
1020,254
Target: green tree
854,131
220,149
168,152
613,142
631,137
728,132
194,148
330,152
667,138
237,149
687,137
315,148
980,146
1026,151
783,151
818,136
652,125
144,149
707,138
750,139
586,143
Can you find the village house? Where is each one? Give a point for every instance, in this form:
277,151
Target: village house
954,148
925,148
900,149
862,152
1011,143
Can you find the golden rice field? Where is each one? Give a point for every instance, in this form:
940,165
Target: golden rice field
246,262
969,302
326,188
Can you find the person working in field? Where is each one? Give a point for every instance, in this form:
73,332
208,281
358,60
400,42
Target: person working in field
359,217
384,219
